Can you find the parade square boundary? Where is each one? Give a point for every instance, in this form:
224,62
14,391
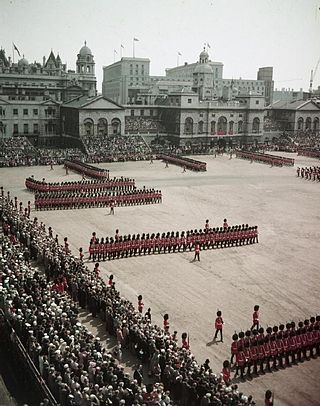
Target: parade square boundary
281,273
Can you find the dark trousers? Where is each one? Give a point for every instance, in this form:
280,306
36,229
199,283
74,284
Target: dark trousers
216,334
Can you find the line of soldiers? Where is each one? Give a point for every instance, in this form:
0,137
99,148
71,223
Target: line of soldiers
115,183
86,169
309,173
280,346
136,244
273,160
184,162
310,153
86,199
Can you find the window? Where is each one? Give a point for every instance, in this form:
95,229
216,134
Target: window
257,101
201,114
25,112
231,115
2,112
35,112
151,113
15,128
25,128
177,101
35,128
213,115
132,113
189,101
141,112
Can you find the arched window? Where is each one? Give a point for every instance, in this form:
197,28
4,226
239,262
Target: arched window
102,126
300,123
200,127
116,126
88,69
240,126
230,127
213,127
308,123
256,125
188,125
316,124
88,126
222,125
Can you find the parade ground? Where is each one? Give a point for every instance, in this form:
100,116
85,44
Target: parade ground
281,273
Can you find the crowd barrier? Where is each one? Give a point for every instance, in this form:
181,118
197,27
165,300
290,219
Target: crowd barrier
188,163
273,160
78,200
172,242
88,170
117,183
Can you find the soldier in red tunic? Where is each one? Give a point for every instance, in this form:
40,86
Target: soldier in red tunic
166,322
218,324
234,347
197,251
240,362
140,304
185,341
226,372
255,318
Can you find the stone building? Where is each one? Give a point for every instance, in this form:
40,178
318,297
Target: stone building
30,93
128,81
92,116
295,116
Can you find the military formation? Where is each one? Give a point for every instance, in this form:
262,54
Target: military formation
311,152
272,160
87,170
95,198
184,162
259,350
97,184
309,173
124,246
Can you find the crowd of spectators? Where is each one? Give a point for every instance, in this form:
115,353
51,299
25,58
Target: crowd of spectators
135,125
78,370
115,149
18,151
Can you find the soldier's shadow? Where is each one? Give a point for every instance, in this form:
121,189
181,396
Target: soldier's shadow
212,342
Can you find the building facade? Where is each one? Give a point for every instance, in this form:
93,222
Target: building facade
30,93
124,80
128,81
300,115
92,116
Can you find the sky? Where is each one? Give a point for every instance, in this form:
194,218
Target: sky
243,34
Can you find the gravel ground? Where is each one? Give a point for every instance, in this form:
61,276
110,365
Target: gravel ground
281,273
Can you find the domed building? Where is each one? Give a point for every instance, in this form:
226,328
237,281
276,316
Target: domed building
85,61
31,93
23,63
203,77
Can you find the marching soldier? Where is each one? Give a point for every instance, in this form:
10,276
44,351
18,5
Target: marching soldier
255,318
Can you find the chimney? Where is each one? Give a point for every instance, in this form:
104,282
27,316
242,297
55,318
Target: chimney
44,61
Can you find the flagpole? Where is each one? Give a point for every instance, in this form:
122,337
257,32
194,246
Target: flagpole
133,47
178,59
120,51
12,54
